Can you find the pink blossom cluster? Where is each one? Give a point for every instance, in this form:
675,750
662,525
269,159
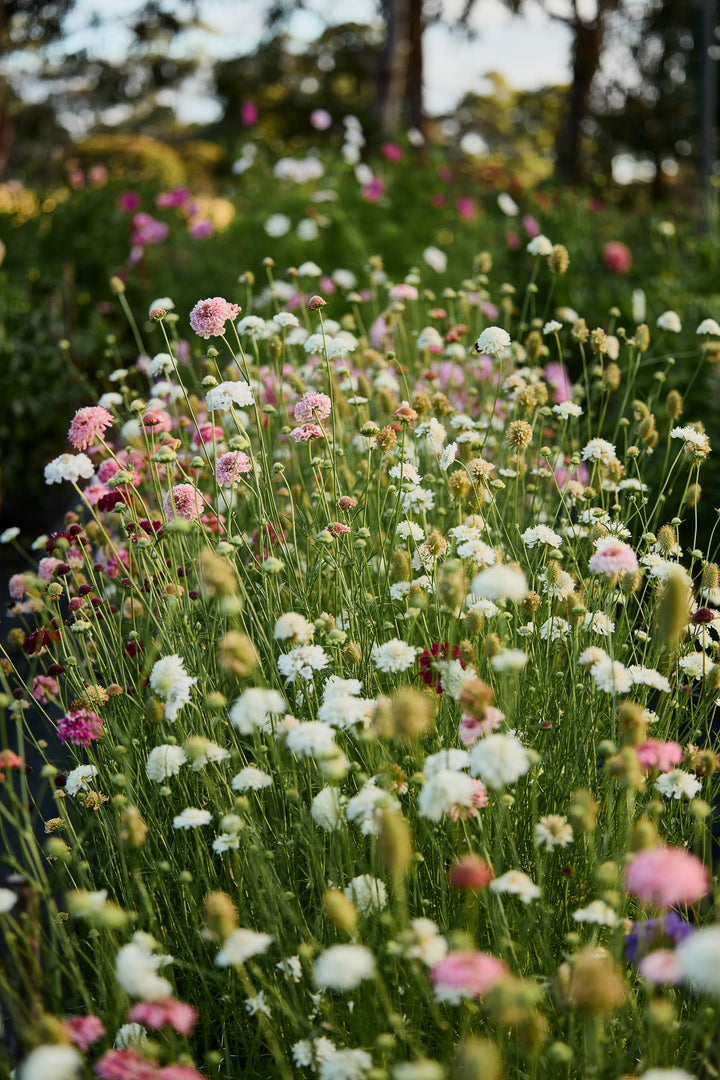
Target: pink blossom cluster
230,467
613,557
129,1064
306,432
83,1030
312,407
208,317
164,1012
79,726
666,877
656,754
87,424
466,973
184,501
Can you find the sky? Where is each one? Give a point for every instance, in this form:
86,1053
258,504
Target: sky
530,52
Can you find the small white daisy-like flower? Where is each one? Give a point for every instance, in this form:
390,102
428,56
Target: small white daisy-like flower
553,831
599,450
669,320
567,409
241,946
540,245
251,779
709,326
191,818
343,967
678,784
552,327
165,761
367,893
393,656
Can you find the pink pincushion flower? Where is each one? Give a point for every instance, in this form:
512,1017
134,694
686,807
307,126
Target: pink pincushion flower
346,502
666,876
156,419
305,432
10,760
16,586
206,433
466,973
471,729
84,1030
230,467
87,424
44,687
403,291
557,376
613,557
81,727
374,190
391,151
337,528
184,501
46,567
471,872
460,812
164,1011
208,317
661,967
656,754
467,208
617,257
312,407
125,1065
530,226
180,1072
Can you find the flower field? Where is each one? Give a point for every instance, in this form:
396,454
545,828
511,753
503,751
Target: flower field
375,674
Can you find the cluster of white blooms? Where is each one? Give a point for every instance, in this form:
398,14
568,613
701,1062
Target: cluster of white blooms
303,660
78,779
191,818
311,739
678,784
136,969
599,450
343,967
342,707
69,467
500,582
518,884
251,779
598,912
328,809
226,395
367,893
295,627
165,761
499,760
240,946
365,807
394,655
57,1060
255,708
443,791
170,681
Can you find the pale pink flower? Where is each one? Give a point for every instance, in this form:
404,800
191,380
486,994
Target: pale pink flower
403,291
46,567
460,812
661,966
87,424
125,1065
164,1011
180,1072
230,467
666,876
466,973
471,729
81,727
306,432
613,557
656,754
16,586
83,1030
208,317
44,687
184,501
337,528
312,407
156,419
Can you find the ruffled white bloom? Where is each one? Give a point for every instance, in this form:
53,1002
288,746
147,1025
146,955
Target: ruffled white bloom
327,809
241,945
130,1035
303,660
644,676
444,791
292,625
69,467
436,259
599,450
610,676
343,967
136,969
169,680
78,779
500,583
540,245
554,629
429,338
161,364
499,760
667,1074
393,656
57,1060
165,761
669,320
408,473
344,711
311,739
553,831
226,395
255,708
509,660
566,409
191,818
598,912
695,442
448,456
205,752
251,779
346,1065
452,759
507,204
366,807
367,893
8,899
518,884
599,623
417,499
424,942
696,665
678,784
708,326
699,959
493,340
552,327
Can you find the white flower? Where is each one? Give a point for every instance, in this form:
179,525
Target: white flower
599,450
667,1074
566,409
70,467
553,831
417,499
225,395
161,364
191,818
8,899
136,969
311,739
598,912
205,752
343,967
130,1035
693,440
393,656
302,660
696,665
420,1069
541,534
292,625
500,582
169,680
507,204
365,807
599,623
669,320
540,245
554,629
434,432
165,761
254,709
9,534
406,472
436,259
499,760
423,942
290,969
699,958
163,303
286,319
240,946
518,884
58,1061
257,1004
367,893
277,225
309,269
451,759
251,779
327,809
344,711
84,904
448,456
709,326
509,660
677,784
77,780
610,676
493,340
552,327
643,676
445,790
346,1065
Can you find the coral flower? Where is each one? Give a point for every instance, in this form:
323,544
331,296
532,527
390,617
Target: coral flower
184,501
164,1011
312,407
87,424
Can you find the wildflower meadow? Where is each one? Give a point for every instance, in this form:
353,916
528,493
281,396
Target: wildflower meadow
371,687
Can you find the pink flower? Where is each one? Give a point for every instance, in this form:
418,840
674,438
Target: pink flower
513,241
666,877
346,502
466,973
479,799
201,228
208,317
164,1011
125,1065
180,1072
471,729
156,419
613,557
320,119
46,567
661,967
98,175
403,291
206,433
391,152
230,467
87,424
656,754
175,198
617,257
184,501
312,407
444,173
307,431
84,1030
467,208
148,230
16,586
374,190
338,529
129,201
530,226
556,375
80,727
471,872
44,687
248,113
10,760
438,200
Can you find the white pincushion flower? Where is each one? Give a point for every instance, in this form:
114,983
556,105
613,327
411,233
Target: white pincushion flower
444,791
644,676
345,711
500,583
165,761
610,675
493,340
499,760
251,779
136,969
292,625
130,1035
667,1074
452,759
277,225
161,364
346,1065
327,809
365,807
554,629
169,680
436,259
191,818
393,656
424,942
509,660
669,320
599,623
408,473
541,534
566,409
286,320
552,327
699,959
69,467
507,204
8,899
448,456
429,338
367,893
518,884
226,395
599,450
678,784
696,665
311,739
343,967
434,432
9,535
58,1061
540,245
205,752
695,442
303,660
240,946
709,326
553,831
255,708
78,779
598,912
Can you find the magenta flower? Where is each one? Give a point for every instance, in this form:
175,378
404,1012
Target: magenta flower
156,419
666,877
201,228
530,226
148,230
129,201
617,257
613,557
175,198
125,1065
656,754
467,208
391,151
83,1030
164,1011
179,1072
87,424
208,317
80,727
557,376
661,967
184,501
306,432
312,407
466,973
230,467
248,113
374,190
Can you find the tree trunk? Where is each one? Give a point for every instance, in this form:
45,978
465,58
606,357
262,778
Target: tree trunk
415,67
394,77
